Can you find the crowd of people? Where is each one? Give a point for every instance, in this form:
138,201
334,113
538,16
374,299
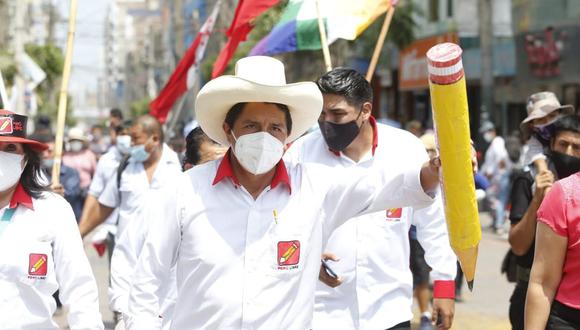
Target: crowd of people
255,220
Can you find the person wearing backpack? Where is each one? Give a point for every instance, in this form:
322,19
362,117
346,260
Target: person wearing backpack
151,165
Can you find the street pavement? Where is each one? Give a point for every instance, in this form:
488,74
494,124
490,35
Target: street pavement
486,308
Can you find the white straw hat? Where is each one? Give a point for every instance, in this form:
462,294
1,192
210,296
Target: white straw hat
257,79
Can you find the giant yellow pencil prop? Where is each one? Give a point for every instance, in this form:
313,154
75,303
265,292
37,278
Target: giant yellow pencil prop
451,118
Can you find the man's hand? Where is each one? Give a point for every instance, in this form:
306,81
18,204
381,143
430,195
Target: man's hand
430,175
443,311
544,181
57,189
323,275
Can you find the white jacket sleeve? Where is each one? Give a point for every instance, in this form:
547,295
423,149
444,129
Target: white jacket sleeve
156,260
110,195
123,262
376,190
533,152
77,286
433,236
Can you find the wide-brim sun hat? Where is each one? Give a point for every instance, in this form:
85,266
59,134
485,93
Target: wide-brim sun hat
542,104
76,133
13,130
257,79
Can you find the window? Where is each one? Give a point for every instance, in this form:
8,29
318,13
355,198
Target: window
449,8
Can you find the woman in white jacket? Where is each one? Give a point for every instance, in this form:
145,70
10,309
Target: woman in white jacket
41,248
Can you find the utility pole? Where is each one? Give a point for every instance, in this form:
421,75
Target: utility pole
52,18
19,33
179,26
486,46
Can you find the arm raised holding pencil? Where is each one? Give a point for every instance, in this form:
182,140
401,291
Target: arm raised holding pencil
451,119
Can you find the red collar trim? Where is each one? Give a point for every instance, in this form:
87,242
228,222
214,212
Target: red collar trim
373,122
21,197
281,176
225,170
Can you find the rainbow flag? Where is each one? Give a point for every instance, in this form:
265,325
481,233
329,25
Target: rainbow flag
298,27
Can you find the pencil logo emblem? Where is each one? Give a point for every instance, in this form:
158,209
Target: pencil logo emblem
37,264
288,253
5,125
394,213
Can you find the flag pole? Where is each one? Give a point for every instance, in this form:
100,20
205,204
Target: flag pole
3,94
323,40
380,42
170,125
62,101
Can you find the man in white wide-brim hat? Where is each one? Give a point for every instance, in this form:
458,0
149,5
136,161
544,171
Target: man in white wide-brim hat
246,232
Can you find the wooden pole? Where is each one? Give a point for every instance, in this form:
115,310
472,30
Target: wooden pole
323,40
380,42
62,101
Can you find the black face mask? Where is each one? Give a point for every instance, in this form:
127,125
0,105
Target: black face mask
339,136
565,165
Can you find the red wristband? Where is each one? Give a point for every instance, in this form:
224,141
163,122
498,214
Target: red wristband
444,289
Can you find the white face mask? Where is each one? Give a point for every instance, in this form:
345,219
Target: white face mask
10,169
258,152
488,136
76,146
124,144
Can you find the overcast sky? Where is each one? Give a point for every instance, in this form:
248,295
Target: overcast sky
88,63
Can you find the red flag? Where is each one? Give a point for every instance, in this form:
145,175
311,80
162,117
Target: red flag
242,24
183,78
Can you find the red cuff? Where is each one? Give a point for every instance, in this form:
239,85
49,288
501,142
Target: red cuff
444,289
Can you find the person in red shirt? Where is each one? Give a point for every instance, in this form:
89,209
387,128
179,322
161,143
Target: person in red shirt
553,299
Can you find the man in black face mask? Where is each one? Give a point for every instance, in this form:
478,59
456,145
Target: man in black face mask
527,195
373,286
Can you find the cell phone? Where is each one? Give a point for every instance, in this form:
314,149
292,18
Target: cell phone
328,270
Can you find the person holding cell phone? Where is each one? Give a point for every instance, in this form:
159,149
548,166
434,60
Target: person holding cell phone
369,254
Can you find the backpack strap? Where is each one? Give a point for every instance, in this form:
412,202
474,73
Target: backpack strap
122,166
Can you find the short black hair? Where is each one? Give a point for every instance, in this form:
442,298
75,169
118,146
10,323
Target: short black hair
235,112
150,126
31,177
42,137
124,125
43,121
569,123
193,142
116,113
347,83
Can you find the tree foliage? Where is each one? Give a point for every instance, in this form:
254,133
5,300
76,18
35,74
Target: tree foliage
8,67
139,107
51,60
401,31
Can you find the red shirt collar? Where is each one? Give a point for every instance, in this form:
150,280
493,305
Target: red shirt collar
21,197
373,122
225,170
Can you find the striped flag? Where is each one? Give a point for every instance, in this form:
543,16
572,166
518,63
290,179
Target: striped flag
298,27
